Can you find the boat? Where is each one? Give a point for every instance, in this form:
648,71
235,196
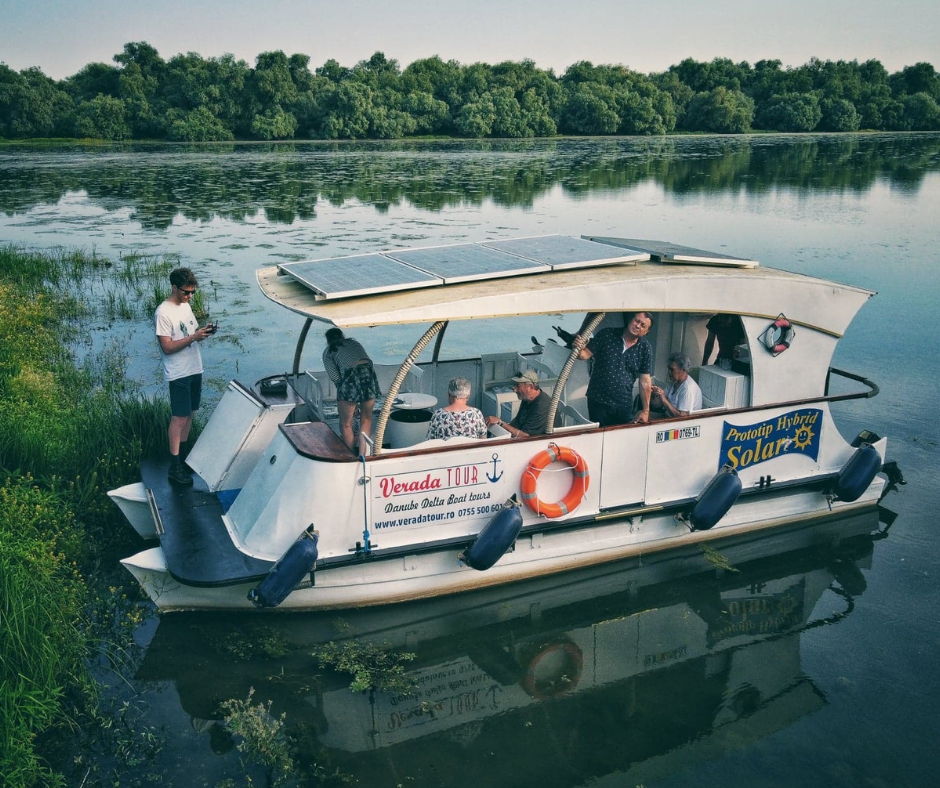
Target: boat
674,663
283,515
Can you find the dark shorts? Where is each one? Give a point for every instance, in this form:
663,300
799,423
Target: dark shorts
185,395
358,384
609,415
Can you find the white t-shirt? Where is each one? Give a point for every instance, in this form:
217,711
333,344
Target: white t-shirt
685,396
177,321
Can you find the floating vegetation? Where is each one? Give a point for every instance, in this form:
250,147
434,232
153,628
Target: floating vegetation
263,641
718,560
263,738
372,667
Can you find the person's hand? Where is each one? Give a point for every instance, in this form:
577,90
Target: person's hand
643,417
491,420
201,333
657,391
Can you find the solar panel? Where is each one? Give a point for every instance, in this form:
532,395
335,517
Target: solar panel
467,262
564,251
667,252
357,275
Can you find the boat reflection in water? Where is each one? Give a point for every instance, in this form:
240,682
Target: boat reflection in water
636,671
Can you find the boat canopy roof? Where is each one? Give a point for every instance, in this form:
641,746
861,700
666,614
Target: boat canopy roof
647,275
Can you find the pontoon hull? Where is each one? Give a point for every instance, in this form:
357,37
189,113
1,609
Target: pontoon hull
754,528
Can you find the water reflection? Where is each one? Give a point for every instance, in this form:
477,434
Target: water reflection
287,182
636,671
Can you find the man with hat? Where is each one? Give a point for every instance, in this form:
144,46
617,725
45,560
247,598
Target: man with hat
532,418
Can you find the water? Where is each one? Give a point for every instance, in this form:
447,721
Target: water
842,694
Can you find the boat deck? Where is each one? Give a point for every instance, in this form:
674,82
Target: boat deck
195,541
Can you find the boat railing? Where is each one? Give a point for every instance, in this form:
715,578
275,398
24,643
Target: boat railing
872,386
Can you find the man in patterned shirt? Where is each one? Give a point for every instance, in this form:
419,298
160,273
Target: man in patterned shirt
620,358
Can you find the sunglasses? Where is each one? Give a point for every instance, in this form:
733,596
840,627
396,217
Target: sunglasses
187,292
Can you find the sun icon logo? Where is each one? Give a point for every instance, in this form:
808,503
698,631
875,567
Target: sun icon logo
803,437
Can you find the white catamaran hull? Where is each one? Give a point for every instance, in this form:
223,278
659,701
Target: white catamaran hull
751,531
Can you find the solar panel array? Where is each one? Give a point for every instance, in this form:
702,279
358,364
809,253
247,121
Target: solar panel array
407,269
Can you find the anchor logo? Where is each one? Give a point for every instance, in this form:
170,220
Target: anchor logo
494,477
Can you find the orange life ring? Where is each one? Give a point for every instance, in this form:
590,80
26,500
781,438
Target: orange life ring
579,486
563,678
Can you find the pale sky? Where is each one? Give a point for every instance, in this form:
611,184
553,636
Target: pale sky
61,36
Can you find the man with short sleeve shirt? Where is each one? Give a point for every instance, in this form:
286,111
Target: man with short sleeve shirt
620,358
178,332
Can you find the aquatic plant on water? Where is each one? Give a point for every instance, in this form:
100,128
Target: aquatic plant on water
372,667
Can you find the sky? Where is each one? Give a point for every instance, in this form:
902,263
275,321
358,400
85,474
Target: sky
62,36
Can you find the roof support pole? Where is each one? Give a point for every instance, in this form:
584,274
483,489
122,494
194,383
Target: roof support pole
300,345
439,342
569,364
395,385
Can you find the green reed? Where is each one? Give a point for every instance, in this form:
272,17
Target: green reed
69,432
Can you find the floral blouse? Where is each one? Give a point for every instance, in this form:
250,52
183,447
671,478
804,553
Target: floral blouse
454,423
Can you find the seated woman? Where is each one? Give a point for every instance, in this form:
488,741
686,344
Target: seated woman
457,418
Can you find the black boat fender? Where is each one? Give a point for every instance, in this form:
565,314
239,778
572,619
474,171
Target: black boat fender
716,499
857,473
299,560
495,539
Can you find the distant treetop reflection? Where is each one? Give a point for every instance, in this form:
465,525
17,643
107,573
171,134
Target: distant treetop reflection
286,181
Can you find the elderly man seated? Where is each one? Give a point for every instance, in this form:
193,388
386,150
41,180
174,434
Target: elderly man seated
682,395
532,418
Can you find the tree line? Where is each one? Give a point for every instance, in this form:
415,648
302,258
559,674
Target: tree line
195,99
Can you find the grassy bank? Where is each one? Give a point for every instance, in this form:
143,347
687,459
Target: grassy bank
69,431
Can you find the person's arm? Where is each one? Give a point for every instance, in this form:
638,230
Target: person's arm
496,421
329,366
646,389
581,344
709,346
170,346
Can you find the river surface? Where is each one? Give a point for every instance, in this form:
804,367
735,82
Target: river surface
812,668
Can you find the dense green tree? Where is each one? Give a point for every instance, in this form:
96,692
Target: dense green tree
680,93
705,77
476,118
591,109
508,120
32,105
790,112
333,71
387,123
142,72
93,80
838,115
921,112
919,78
102,118
197,125
720,111
537,113
378,72
274,124
433,75
431,116
347,112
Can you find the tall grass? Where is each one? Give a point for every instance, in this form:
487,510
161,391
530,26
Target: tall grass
68,433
